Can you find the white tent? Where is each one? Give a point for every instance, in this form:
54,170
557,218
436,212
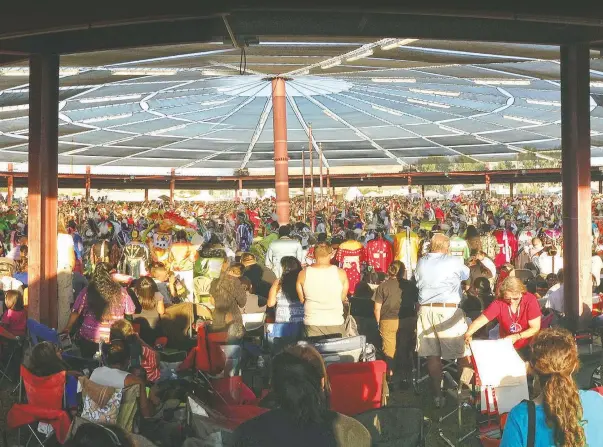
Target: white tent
373,194
433,195
353,193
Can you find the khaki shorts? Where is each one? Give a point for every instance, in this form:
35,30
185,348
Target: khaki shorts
440,332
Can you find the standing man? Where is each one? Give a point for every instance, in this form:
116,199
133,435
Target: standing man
244,233
406,248
441,323
379,252
284,246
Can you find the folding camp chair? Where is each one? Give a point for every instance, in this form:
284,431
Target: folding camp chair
12,354
342,350
39,332
357,387
254,322
46,401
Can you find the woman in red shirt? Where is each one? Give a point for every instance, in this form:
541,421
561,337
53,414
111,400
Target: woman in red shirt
517,312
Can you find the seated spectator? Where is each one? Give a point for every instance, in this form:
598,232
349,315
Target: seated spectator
165,283
300,386
565,416
554,298
229,297
152,307
21,267
103,302
262,278
479,297
506,271
144,361
14,319
517,313
255,304
44,359
283,293
116,375
323,288
97,435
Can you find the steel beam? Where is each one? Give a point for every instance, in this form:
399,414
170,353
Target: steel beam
43,187
575,173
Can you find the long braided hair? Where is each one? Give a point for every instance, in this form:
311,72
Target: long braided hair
554,359
104,294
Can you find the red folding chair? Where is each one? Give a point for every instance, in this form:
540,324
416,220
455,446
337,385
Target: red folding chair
45,403
207,356
357,387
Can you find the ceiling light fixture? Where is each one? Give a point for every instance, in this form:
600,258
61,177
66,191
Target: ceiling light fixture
397,43
361,55
330,64
109,98
100,119
168,129
143,72
521,119
543,103
501,81
394,80
434,92
331,114
14,108
214,103
24,71
428,103
387,110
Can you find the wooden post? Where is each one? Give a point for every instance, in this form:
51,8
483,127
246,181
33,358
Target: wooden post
311,155
146,194
304,183
87,183
281,156
172,186
10,183
43,187
511,189
320,169
575,176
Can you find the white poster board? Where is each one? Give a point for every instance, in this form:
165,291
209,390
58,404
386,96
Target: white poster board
502,374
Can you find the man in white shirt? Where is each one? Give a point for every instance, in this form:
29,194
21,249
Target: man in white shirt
549,262
441,323
553,299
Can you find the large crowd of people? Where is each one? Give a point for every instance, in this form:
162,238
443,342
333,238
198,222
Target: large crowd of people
419,276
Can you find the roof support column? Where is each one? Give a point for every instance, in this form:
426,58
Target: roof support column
88,183
10,184
146,194
575,176
600,186
423,192
511,185
488,183
281,158
172,186
43,187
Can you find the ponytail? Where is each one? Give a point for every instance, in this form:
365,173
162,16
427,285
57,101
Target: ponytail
555,358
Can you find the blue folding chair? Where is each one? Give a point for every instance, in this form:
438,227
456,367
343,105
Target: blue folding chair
39,332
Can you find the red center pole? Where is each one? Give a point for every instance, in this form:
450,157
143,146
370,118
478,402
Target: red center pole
281,158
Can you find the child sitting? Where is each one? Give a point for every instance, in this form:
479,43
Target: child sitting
14,319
